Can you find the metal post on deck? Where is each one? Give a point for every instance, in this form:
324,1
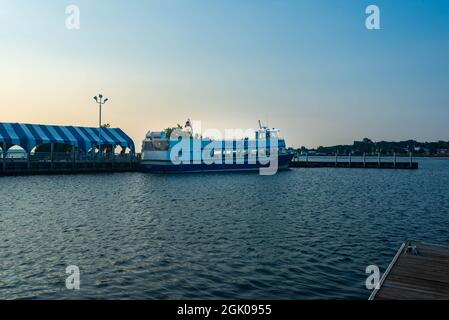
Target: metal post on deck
99,100
100,154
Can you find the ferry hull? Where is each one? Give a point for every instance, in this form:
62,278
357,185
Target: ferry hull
167,167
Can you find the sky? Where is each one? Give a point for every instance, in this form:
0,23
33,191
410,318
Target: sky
310,68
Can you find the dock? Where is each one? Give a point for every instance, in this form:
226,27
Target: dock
355,163
31,166
419,271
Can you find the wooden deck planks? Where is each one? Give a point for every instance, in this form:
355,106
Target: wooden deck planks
417,277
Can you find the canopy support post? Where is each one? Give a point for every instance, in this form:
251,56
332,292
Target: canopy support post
92,155
112,155
4,156
52,155
28,157
73,157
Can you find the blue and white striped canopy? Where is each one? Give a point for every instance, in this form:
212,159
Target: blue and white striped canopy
29,136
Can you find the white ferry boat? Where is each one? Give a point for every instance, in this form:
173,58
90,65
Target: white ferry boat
180,152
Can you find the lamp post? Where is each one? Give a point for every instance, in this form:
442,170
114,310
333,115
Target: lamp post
99,100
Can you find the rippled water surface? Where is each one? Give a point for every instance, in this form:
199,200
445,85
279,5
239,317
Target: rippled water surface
302,234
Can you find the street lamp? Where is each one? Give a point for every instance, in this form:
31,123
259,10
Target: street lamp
99,100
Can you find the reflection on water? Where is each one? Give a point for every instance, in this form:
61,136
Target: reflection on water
302,234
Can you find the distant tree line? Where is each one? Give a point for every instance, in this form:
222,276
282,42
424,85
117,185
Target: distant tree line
367,146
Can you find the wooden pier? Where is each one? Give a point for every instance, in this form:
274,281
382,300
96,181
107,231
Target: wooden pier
419,271
14,167
348,162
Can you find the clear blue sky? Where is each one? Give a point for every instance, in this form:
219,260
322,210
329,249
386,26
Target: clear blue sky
308,67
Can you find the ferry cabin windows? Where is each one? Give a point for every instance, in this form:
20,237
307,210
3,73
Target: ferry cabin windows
265,135
155,145
148,146
161,145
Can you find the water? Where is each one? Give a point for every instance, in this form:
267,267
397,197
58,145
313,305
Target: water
302,234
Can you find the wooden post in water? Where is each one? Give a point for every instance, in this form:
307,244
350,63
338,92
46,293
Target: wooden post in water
411,159
307,157
350,159
336,159
364,159
378,159
394,155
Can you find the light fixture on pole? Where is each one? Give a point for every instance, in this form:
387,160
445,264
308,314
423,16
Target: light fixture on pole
99,100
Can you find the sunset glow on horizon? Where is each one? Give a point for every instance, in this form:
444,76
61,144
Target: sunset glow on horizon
310,68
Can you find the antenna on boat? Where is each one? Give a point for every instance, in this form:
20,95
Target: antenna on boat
260,125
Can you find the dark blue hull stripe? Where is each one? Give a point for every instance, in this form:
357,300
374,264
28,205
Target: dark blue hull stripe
166,167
